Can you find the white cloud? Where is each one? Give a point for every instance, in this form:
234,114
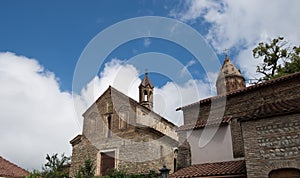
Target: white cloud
240,25
171,96
37,118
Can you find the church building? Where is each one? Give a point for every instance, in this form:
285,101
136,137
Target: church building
121,133
244,131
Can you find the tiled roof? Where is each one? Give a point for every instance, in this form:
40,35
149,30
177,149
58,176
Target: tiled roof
146,81
273,109
200,123
8,169
244,90
212,169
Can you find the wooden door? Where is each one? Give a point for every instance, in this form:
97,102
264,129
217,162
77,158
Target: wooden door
107,161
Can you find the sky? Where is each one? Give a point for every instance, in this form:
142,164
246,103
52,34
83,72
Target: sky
58,57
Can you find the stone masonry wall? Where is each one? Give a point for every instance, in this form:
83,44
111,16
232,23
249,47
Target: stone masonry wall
184,151
271,143
80,153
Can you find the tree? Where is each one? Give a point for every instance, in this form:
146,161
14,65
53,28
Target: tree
278,58
54,168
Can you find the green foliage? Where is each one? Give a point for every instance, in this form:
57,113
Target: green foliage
293,65
54,168
35,174
278,58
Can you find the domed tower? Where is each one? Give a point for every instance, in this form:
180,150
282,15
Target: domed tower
146,92
230,78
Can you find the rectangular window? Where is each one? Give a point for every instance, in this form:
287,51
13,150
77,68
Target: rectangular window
109,126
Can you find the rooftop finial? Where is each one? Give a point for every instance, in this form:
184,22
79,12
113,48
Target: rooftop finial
146,71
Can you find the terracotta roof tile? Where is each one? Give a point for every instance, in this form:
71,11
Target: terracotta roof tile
201,123
244,90
212,169
273,109
8,169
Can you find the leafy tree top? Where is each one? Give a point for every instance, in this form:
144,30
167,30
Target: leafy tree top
279,58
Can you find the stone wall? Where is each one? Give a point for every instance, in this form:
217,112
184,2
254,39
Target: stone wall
271,143
81,152
184,151
146,152
237,139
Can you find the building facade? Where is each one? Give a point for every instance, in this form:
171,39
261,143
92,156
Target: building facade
255,128
121,133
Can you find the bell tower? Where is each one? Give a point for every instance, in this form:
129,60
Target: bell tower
230,78
146,92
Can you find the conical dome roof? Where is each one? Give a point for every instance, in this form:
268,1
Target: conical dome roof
230,78
146,82
229,69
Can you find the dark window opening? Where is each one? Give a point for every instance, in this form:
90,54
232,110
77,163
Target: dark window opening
109,126
175,164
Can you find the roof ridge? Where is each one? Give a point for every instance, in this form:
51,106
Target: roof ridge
233,167
249,88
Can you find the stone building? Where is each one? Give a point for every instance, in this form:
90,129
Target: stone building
244,131
121,133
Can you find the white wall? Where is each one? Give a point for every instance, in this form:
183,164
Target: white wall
218,149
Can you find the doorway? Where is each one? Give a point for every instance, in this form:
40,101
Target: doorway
107,161
284,173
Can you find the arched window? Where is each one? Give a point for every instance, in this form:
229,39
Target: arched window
284,173
108,126
145,95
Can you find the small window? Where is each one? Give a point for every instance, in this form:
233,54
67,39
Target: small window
145,95
108,126
174,165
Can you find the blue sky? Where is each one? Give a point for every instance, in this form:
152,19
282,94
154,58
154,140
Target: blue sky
56,32
42,41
